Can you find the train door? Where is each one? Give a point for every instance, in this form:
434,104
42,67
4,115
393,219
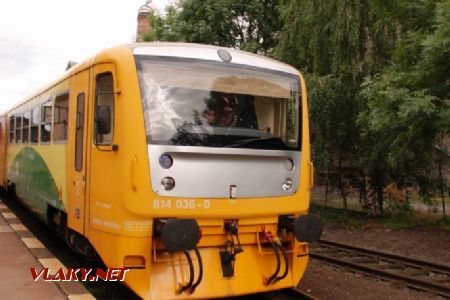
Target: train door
76,158
104,165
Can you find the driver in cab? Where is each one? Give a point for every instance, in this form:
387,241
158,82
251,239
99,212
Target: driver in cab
221,110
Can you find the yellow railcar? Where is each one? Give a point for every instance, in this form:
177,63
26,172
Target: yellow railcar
188,164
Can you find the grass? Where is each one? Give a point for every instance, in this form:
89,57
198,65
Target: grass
335,200
419,216
417,220
338,217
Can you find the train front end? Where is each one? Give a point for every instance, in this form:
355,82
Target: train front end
229,172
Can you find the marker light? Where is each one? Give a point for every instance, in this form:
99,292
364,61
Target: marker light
168,183
165,161
224,55
289,164
287,184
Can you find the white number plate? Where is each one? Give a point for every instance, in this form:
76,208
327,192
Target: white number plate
181,204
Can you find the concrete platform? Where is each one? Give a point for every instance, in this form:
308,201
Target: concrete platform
20,251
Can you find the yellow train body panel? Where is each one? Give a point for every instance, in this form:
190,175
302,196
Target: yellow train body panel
110,200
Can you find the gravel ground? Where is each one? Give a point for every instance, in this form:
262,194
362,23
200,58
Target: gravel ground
328,282
423,244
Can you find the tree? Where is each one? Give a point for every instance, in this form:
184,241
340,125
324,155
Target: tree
327,40
406,111
337,133
248,25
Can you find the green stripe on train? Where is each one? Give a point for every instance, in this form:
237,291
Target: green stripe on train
34,183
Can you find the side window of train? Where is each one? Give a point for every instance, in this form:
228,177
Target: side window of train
60,118
34,129
25,127
18,128
46,121
104,110
12,125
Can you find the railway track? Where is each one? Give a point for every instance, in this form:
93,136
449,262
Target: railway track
296,294
284,294
416,274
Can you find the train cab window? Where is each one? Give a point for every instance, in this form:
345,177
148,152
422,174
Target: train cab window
46,121
18,129
25,127
60,118
34,129
12,124
104,110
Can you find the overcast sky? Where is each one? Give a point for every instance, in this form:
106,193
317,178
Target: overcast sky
38,38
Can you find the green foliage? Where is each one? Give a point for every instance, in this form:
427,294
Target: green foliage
435,56
164,28
323,37
401,47
336,217
445,223
250,26
327,41
415,220
156,24
334,116
399,123
406,106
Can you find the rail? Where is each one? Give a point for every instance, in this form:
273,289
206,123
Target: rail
417,274
284,294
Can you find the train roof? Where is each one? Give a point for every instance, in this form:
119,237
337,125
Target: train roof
209,52
168,49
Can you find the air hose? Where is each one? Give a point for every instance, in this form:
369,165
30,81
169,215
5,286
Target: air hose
286,263
200,274
271,279
188,286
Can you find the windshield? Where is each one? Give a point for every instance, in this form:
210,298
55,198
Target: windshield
203,103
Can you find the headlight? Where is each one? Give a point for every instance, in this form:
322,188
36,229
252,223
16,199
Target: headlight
165,161
287,184
289,164
168,183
